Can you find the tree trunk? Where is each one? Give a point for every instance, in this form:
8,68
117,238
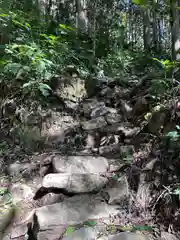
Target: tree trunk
81,18
146,28
174,20
154,23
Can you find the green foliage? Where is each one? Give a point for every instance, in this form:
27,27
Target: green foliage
31,59
171,140
8,197
166,64
140,2
116,63
177,191
44,89
143,3
69,230
174,135
90,223
115,177
142,228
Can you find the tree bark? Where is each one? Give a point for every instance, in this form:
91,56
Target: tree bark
81,18
174,21
146,28
155,37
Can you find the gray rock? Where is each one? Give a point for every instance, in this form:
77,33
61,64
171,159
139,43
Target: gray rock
6,215
80,164
116,164
120,92
87,233
51,198
99,110
21,192
74,183
150,165
90,141
19,231
126,109
109,150
87,106
112,118
74,211
168,236
118,191
97,233
7,237
128,236
19,168
106,91
112,110
53,233
94,124
157,120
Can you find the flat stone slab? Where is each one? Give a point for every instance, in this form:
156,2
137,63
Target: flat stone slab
74,183
77,210
80,164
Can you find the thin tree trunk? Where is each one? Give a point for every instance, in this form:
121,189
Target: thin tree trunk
146,28
82,19
174,20
155,38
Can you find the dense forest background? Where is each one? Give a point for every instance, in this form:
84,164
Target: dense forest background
39,38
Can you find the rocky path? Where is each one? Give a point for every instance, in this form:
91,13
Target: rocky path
87,184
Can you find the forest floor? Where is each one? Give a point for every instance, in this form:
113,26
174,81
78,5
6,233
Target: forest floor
100,167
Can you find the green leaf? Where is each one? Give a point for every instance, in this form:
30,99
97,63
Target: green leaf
143,228
44,89
62,26
3,62
140,2
173,134
28,84
115,177
177,127
3,191
28,25
69,230
3,15
90,223
13,68
177,191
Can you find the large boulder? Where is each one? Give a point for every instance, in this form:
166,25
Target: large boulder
79,164
74,183
97,233
76,210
